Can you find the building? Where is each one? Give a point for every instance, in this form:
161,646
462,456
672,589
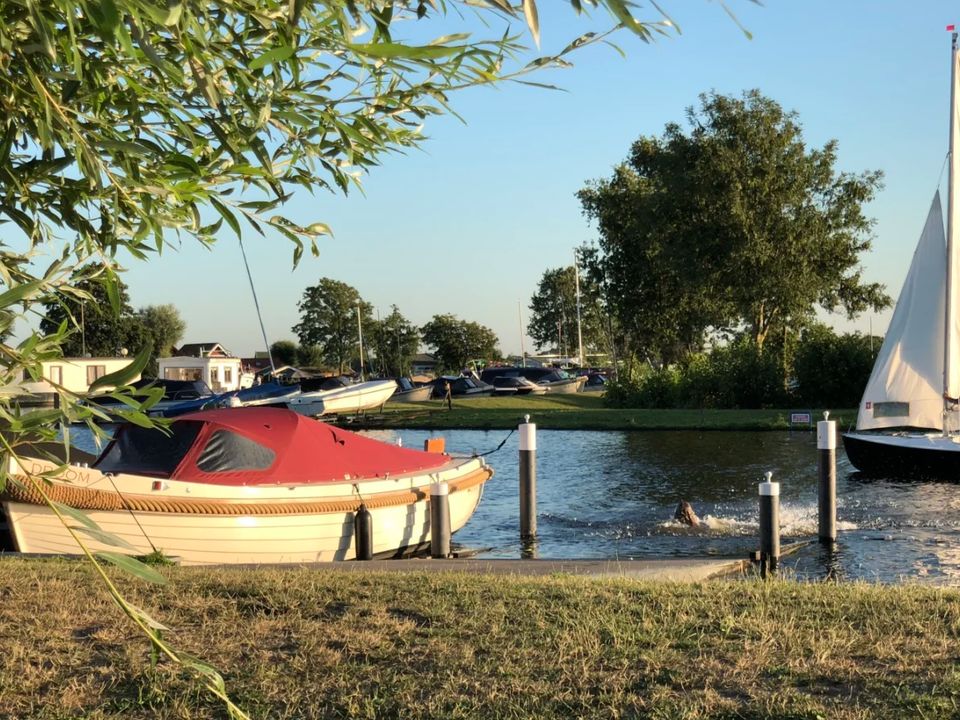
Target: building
423,364
210,362
73,374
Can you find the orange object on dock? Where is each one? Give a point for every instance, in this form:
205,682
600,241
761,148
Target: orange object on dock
435,445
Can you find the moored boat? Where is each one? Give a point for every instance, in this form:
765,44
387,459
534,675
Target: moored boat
242,485
342,397
909,416
408,392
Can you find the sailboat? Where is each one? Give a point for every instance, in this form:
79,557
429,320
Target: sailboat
908,422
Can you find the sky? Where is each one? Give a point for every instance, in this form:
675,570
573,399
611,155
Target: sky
469,223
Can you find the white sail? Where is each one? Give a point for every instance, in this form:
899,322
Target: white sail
907,383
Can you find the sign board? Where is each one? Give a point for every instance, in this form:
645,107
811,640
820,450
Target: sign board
801,418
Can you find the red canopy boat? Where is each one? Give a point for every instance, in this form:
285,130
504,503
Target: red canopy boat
244,485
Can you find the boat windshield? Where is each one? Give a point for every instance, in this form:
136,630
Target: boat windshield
149,451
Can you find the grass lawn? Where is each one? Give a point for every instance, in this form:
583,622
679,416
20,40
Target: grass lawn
580,411
304,643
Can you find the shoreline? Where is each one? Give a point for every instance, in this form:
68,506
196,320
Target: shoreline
574,412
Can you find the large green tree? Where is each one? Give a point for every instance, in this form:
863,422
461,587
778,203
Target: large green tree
553,319
733,224
102,329
163,328
394,340
455,342
328,319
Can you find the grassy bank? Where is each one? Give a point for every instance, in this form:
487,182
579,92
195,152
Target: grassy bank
581,411
312,644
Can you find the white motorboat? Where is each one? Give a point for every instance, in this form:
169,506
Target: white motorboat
241,485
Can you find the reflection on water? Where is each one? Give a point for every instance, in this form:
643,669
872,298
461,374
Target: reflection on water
613,495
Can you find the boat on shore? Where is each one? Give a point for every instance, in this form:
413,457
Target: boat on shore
554,380
407,391
241,485
338,396
908,423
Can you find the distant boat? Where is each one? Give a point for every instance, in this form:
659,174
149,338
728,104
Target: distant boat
908,420
461,386
242,485
408,392
516,386
270,394
554,380
175,392
338,396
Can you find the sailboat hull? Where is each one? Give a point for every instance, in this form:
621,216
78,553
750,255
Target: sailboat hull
905,455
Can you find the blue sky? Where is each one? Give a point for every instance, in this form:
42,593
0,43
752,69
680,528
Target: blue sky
468,224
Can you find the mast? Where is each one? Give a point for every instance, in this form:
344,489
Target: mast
951,339
360,337
576,280
523,353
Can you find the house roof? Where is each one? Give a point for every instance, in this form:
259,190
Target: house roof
208,349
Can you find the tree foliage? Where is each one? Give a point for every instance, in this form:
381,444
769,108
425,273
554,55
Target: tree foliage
163,327
455,342
394,341
103,329
328,319
553,319
733,224
832,370
284,352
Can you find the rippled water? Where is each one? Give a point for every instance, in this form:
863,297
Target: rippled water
613,495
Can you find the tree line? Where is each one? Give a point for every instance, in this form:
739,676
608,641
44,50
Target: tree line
717,243
333,315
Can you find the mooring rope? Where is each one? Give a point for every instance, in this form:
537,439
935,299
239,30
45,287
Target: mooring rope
498,447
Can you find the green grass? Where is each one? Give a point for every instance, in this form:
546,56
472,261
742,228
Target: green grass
331,644
580,411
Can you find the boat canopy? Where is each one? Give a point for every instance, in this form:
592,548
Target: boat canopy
257,446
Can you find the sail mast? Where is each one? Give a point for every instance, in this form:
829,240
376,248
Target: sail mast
951,371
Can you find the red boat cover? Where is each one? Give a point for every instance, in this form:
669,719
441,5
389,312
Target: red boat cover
259,446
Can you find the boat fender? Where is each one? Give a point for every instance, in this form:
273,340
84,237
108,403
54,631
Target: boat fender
363,533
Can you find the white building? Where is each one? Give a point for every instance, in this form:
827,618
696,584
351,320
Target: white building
74,374
209,362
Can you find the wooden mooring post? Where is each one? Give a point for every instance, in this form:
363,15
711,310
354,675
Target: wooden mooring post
827,480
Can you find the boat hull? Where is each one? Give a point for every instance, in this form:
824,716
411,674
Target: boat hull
351,399
419,394
567,386
904,455
248,525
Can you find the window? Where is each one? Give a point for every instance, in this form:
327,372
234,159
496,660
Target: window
55,374
227,376
149,451
227,451
184,373
94,372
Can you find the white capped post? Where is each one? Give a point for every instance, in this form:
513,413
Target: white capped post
528,479
769,525
827,480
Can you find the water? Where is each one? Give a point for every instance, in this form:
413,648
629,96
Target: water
613,495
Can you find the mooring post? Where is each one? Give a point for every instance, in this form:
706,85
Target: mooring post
528,479
439,520
769,525
827,480
363,533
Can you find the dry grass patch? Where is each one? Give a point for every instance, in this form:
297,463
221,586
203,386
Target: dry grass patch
326,644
